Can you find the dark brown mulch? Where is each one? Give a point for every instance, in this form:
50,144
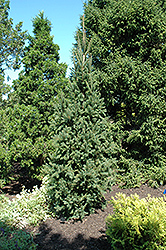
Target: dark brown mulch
54,234
89,234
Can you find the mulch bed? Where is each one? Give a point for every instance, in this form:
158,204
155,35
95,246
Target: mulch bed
55,234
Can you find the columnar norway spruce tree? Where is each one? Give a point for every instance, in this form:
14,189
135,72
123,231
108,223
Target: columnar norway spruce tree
83,164
34,94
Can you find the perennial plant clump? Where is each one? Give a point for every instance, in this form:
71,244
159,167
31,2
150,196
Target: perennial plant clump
29,208
12,238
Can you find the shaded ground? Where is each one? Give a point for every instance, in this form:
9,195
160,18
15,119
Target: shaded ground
15,187
89,234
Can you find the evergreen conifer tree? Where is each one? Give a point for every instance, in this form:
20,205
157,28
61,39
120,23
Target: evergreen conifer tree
128,58
35,91
82,166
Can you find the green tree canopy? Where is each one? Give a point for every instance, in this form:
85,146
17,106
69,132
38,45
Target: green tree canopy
35,91
11,43
128,41
128,58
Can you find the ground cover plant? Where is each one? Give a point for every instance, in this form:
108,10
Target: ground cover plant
12,238
28,208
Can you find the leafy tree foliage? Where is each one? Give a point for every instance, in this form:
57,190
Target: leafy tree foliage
11,44
11,50
35,91
83,163
128,58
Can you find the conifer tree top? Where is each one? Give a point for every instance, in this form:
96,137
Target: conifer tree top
41,25
42,75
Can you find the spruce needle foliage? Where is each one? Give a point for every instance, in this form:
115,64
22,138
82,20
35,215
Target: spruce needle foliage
128,58
82,166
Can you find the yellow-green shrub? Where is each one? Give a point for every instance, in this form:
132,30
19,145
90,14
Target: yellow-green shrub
137,224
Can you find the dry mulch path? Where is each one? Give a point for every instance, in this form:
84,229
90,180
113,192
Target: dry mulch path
54,234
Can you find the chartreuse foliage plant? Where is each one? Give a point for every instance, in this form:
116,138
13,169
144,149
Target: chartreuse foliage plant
137,223
83,164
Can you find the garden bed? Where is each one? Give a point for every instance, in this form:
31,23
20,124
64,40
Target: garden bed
85,235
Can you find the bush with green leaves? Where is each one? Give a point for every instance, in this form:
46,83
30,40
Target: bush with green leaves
137,223
24,147
12,238
132,174
83,164
28,208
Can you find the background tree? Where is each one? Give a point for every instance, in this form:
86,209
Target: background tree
11,44
35,91
12,41
84,159
128,58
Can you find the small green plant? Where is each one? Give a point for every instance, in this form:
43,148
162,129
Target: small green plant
137,223
12,238
29,208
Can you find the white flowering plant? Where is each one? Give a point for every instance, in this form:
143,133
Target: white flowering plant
28,208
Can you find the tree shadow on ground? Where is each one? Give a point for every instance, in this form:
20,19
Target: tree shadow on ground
47,239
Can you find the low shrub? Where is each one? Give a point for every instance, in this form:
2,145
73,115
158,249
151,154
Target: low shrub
12,238
137,223
29,208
